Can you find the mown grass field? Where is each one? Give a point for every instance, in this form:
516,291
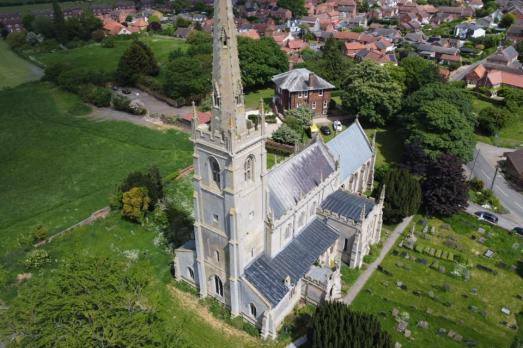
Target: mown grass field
26,6
58,166
473,314
15,70
94,56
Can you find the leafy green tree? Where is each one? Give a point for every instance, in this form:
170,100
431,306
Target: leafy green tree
507,20
491,119
59,22
445,190
88,302
331,64
36,258
519,48
297,7
419,72
335,325
363,6
402,195
260,60
44,26
286,135
370,91
188,78
439,128
137,59
303,115
15,39
512,98
40,233
151,180
135,203
27,22
182,22
455,95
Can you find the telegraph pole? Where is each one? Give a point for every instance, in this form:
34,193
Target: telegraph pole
474,164
494,178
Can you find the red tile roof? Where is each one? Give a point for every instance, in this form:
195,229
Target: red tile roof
203,117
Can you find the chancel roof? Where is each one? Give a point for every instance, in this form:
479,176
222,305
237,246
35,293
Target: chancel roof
293,179
348,205
268,275
352,148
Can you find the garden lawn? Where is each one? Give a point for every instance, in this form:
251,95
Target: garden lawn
390,143
252,99
58,166
15,70
94,56
476,316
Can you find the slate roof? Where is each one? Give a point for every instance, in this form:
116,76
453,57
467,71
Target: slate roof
352,148
347,204
297,176
268,275
299,80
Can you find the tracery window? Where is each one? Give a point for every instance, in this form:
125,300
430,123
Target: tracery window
215,170
249,168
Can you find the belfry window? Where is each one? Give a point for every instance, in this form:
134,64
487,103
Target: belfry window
252,310
215,170
218,286
249,168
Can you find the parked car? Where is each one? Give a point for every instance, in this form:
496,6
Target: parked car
337,126
485,215
518,231
325,130
126,91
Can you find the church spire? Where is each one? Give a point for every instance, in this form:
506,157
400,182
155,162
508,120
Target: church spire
228,113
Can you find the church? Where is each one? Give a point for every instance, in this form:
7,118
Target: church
266,239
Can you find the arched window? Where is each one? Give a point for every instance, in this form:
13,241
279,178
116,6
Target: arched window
218,286
215,170
249,168
217,255
252,309
190,272
301,221
288,232
313,209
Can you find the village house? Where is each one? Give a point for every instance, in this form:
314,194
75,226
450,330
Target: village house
466,31
515,165
12,21
302,88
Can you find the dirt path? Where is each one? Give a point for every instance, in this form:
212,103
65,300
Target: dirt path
188,301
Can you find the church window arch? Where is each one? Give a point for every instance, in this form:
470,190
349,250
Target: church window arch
190,273
218,286
252,310
248,168
217,255
288,231
215,171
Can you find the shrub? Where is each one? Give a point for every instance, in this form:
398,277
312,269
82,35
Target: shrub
108,42
491,119
286,135
476,184
98,96
135,203
121,103
36,259
53,71
40,233
98,35
15,39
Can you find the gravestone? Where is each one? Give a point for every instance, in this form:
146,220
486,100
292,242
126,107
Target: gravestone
423,324
505,311
482,240
395,312
489,253
481,230
408,333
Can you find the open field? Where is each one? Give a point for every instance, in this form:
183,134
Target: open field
58,167
429,291
94,56
26,6
15,70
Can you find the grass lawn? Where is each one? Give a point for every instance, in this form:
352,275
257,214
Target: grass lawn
58,167
445,300
24,7
390,144
252,99
15,70
94,56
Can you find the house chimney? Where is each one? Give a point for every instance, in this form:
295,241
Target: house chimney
312,79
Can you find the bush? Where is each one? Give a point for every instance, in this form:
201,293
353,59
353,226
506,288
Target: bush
98,96
74,80
40,233
53,71
135,203
98,35
492,119
36,259
108,42
121,103
286,135
15,39
476,184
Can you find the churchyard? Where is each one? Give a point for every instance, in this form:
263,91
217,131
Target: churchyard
455,282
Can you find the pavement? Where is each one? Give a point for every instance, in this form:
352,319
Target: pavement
364,277
483,167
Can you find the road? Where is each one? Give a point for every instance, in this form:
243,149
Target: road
364,277
484,169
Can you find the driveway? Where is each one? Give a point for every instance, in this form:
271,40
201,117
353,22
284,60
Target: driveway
364,277
484,168
155,106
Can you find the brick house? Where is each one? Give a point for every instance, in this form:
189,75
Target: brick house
301,87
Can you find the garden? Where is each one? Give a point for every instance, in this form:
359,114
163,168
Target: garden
447,283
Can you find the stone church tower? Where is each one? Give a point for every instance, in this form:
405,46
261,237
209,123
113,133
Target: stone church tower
229,174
